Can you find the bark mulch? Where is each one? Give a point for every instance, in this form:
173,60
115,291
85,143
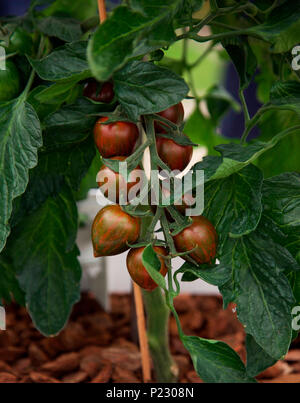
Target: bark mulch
98,347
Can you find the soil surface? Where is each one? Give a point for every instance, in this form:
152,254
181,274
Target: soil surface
100,347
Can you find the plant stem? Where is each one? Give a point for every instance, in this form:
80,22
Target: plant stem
158,336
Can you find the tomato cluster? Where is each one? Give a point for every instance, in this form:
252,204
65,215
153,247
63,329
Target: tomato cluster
113,229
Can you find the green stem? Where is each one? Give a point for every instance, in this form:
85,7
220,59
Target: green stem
158,336
244,106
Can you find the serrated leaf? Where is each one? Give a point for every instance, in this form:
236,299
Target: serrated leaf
214,275
47,267
281,200
20,138
219,101
130,32
236,156
65,28
215,361
242,57
286,95
55,169
281,28
259,283
144,88
234,204
68,61
71,123
257,359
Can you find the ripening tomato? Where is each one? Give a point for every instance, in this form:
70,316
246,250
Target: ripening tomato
99,92
115,183
175,114
201,234
112,229
174,155
115,139
137,270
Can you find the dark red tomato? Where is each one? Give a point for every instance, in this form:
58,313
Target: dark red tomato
201,234
174,155
137,270
175,114
115,139
99,92
116,182
112,229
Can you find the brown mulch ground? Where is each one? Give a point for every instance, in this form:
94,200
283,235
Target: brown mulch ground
98,347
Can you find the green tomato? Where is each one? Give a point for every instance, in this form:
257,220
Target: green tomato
9,82
20,41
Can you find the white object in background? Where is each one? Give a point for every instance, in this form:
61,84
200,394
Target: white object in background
94,274
2,318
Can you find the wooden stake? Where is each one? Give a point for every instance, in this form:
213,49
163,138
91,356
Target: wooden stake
102,10
139,307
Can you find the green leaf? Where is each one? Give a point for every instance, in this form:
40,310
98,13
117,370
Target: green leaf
214,275
215,362
9,286
257,359
55,169
242,57
281,200
41,109
259,282
152,265
219,101
64,28
47,265
236,156
234,204
281,28
144,25
279,159
144,88
57,93
71,123
20,138
68,61
286,95
202,131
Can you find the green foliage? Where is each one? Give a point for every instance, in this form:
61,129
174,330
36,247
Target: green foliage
47,157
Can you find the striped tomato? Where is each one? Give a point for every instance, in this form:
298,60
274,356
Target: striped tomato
174,114
200,234
115,139
99,92
174,155
112,229
115,183
137,270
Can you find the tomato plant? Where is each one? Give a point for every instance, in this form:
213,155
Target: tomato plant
137,270
246,241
